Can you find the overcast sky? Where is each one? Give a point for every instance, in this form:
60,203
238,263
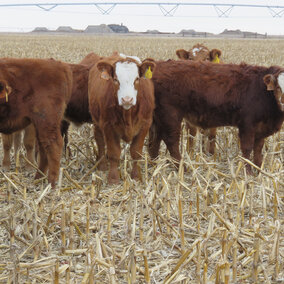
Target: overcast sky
145,17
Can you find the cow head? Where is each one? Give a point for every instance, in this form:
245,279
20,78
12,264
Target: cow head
276,83
199,52
5,90
125,75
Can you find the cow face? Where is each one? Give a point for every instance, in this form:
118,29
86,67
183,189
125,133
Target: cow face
276,83
200,52
126,76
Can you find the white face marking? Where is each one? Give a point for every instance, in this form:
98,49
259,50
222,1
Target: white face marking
281,82
196,50
129,56
127,73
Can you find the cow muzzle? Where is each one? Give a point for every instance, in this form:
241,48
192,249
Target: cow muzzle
127,102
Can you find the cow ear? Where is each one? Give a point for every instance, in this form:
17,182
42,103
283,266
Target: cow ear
106,69
269,81
5,90
215,54
146,69
182,54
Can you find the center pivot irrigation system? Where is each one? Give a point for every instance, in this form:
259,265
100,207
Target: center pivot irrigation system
167,8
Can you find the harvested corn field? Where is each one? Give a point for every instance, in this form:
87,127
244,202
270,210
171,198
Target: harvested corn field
206,222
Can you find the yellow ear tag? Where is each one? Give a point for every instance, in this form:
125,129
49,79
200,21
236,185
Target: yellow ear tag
216,59
105,75
6,97
148,73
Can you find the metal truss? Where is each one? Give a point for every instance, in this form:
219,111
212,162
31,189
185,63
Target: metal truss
167,8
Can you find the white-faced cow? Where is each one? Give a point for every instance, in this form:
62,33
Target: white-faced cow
121,100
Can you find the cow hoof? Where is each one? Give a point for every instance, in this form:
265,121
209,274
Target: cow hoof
113,181
136,176
6,168
103,166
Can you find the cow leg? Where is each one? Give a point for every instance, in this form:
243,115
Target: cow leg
7,141
54,155
247,144
29,143
154,141
171,136
50,148
64,126
17,143
212,139
99,137
136,153
257,155
192,134
113,154
43,162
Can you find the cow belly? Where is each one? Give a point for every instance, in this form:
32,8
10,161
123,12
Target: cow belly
13,125
213,118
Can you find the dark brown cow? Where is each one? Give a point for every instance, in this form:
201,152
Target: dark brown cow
77,110
212,95
121,103
200,52
35,91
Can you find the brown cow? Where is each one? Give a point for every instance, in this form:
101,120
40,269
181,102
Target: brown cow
212,95
200,52
35,91
121,101
77,111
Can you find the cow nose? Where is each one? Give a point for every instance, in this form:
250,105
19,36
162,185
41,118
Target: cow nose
127,100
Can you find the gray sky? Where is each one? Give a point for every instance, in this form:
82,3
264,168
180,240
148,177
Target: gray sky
142,18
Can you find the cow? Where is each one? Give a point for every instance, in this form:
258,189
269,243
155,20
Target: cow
77,111
36,91
200,52
211,95
121,100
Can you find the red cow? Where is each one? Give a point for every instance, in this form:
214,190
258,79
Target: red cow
200,52
121,100
35,91
212,95
77,111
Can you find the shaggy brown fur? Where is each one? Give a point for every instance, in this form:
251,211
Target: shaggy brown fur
212,95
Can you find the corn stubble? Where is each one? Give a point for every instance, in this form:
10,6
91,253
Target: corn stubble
208,224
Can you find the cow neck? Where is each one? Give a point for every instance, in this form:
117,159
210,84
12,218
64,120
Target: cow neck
127,119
